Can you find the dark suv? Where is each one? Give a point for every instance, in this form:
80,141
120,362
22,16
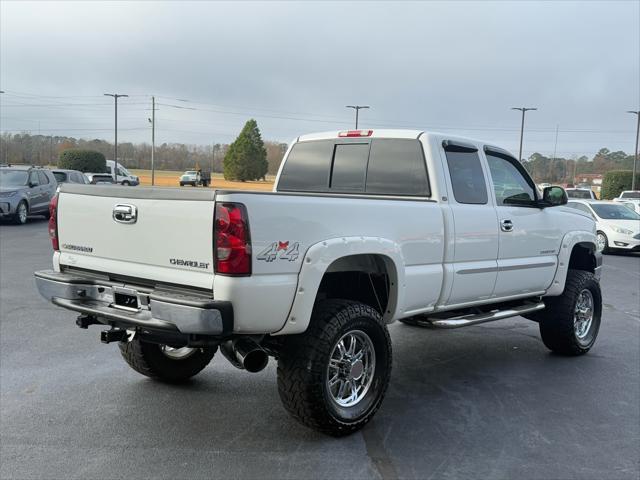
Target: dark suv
25,190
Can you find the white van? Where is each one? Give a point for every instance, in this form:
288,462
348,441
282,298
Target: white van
124,177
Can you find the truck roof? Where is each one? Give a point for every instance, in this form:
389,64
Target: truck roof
391,133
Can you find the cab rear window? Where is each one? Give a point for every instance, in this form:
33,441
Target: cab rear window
375,166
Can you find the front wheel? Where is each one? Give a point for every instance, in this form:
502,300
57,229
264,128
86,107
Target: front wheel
20,217
334,376
602,242
570,323
166,363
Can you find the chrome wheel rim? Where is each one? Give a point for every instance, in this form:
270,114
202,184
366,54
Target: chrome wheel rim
22,213
602,242
177,353
583,314
351,368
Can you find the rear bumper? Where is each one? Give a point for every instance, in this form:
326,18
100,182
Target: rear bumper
160,310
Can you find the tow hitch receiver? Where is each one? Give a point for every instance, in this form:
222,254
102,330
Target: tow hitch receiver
83,321
108,336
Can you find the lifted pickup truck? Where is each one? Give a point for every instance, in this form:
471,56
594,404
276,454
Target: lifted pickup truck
363,228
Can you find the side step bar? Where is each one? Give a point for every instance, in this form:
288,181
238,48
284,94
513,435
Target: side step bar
475,319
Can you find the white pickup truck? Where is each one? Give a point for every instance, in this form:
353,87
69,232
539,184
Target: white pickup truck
363,228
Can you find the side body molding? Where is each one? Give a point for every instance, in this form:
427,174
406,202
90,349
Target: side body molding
321,255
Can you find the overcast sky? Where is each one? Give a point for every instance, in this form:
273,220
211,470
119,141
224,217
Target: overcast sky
444,66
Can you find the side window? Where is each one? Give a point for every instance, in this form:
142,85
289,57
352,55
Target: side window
510,186
349,167
78,177
468,181
307,167
43,178
397,167
33,178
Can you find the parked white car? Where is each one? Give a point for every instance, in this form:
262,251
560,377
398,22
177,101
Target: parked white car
581,193
364,227
630,196
618,227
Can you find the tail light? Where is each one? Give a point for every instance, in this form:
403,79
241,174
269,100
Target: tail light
231,240
53,222
356,133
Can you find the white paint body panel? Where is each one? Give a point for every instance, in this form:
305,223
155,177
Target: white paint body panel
441,255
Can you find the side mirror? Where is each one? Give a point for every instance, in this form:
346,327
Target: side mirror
554,196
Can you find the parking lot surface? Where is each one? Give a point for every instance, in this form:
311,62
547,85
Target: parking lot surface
481,402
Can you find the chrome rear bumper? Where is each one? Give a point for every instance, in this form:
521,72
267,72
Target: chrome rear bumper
156,309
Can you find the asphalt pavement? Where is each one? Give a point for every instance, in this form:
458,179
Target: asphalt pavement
484,402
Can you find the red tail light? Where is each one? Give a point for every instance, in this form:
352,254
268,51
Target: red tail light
53,222
231,240
356,133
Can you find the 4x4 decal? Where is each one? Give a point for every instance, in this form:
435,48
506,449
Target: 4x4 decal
280,251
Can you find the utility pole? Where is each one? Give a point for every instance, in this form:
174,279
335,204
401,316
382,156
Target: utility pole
357,108
115,96
523,110
635,153
152,120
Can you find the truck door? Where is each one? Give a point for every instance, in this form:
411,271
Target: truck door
529,239
475,234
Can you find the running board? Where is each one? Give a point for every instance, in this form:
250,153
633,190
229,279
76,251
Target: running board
475,319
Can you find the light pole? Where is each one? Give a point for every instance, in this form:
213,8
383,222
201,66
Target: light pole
523,110
115,96
635,153
357,108
152,120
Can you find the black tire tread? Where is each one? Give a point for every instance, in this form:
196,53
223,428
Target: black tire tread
142,358
300,390
556,321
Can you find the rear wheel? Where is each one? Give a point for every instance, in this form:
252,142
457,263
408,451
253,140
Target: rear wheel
166,363
570,323
20,217
334,376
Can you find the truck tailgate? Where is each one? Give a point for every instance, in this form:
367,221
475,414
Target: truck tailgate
161,234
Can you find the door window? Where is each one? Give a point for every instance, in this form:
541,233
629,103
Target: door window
467,179
33,178
509,184
43,178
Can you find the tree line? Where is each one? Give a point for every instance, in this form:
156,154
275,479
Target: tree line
45,150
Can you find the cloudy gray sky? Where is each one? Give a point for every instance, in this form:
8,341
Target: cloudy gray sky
447,66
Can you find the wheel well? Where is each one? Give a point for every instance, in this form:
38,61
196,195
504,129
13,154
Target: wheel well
367,278
583,257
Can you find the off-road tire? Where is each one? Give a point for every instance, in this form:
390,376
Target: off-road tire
303,367
149,360
17,219
557,319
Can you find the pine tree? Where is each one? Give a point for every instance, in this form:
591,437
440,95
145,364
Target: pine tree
246,158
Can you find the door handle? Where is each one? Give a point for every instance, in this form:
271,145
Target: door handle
506,225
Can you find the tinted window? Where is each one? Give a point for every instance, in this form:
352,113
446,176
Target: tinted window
307,167
43,178
397,167
349,167
77,177
579,194
33,178
466,176
612,211
510,186
635,195
61,177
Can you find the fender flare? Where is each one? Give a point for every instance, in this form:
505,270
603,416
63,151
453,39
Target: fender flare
317,260
569,241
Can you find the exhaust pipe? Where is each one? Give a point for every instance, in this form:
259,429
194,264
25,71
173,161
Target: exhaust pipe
245,354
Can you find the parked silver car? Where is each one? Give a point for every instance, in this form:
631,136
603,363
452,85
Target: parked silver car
25,190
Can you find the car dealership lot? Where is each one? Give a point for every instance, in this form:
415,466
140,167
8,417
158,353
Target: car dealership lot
483,402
